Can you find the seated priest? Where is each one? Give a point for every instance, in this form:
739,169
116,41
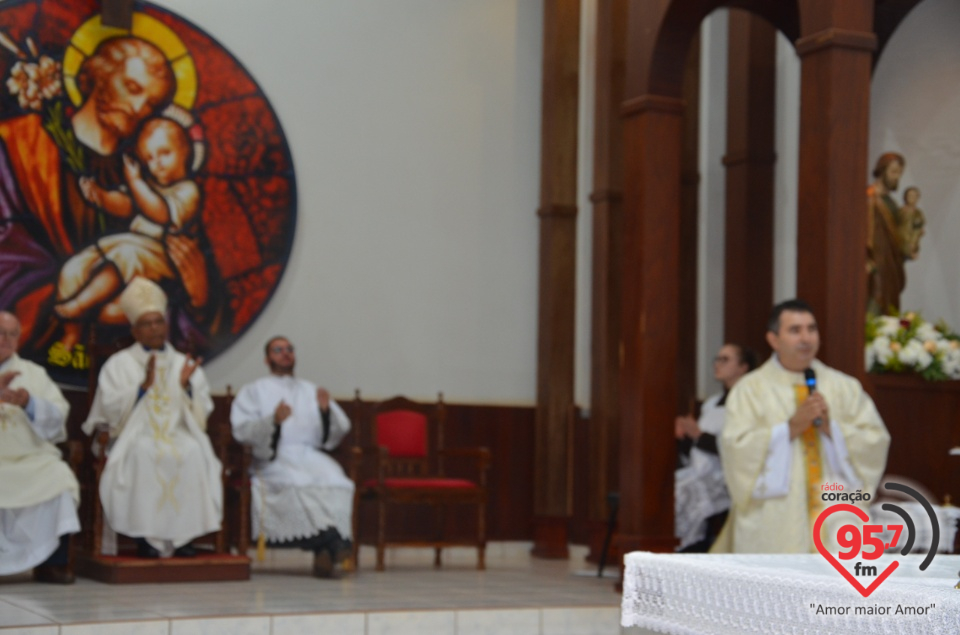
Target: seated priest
700,493
794,425
38,492
162,480
301,496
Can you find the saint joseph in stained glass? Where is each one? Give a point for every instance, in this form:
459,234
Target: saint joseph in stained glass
142,152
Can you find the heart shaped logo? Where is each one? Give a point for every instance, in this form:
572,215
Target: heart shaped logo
862,515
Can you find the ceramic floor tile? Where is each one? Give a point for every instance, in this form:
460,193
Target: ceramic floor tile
411,623
499,622
339,623
282,596
581,621
12,615
116,628
222,626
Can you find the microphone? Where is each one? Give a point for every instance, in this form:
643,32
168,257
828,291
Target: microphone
810,377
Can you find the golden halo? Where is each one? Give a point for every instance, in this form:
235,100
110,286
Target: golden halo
91,33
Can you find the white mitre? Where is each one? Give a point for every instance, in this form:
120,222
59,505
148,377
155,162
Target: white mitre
140,297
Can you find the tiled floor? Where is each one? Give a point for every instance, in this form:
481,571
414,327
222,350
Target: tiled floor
517,594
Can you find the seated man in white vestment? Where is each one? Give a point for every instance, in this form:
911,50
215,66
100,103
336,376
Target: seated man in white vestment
162,481
700,493
301,496
38,491
782,442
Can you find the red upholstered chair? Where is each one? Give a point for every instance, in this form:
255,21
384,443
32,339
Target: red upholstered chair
407,464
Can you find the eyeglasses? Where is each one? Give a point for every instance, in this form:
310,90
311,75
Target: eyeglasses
14,335
281,349
721,359
150,323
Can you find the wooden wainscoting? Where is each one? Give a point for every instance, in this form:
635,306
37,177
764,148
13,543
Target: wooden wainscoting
923,418
508,431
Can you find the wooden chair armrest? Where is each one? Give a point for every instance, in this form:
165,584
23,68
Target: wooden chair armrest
481,454
478,451
359,454
239,458
72,453
101,441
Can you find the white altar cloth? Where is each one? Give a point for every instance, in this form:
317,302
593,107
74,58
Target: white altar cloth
686,594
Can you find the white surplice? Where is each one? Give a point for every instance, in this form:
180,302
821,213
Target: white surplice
162,480
39,493
766,471
699,488
301,491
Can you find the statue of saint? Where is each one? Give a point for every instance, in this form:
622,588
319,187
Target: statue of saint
893,234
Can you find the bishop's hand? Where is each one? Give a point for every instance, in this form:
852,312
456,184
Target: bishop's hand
151,373
189,367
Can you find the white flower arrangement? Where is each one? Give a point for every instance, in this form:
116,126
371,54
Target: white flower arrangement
909,344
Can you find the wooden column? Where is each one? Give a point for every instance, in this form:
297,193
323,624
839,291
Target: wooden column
653,127
689,232
558,237
658,41
749,160
836,47
607,200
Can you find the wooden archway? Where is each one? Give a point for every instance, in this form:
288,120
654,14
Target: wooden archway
836,43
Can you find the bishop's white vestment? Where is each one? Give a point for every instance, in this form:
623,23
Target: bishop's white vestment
38,492
162,480
766,471
300,491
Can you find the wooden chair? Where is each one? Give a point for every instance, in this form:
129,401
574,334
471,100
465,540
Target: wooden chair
96,445
407,465
93,562
236,459
72,452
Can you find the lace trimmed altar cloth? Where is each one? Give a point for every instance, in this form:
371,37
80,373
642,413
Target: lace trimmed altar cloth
684,594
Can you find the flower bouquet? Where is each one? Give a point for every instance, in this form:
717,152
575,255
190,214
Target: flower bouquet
908,344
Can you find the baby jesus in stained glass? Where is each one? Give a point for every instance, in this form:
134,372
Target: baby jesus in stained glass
164,202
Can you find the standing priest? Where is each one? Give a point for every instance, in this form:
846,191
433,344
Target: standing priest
782,442
162,482
38,492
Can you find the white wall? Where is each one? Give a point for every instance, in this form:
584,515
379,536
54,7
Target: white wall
785,191
713,145
585,135
915,110
713,191
414,128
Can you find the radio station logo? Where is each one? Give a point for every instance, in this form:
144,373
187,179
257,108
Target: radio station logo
861,548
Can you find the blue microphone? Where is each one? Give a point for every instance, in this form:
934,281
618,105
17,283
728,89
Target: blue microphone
811,378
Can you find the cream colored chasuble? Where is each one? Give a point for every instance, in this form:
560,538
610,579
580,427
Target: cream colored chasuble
767,472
